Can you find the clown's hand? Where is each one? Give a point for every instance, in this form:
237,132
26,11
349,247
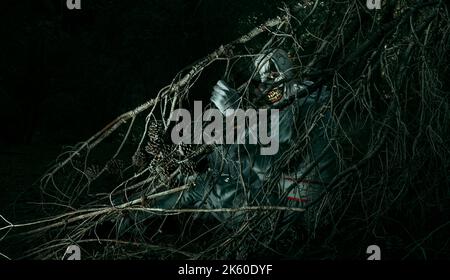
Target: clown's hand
225,97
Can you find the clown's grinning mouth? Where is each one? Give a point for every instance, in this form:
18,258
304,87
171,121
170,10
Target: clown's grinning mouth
274,95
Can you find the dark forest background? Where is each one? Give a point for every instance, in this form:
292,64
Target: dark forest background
65,73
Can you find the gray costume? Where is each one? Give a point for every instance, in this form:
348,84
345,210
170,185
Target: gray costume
238,175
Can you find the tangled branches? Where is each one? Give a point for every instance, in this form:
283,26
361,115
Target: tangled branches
387,128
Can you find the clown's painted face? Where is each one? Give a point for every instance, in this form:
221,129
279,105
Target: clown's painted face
274,69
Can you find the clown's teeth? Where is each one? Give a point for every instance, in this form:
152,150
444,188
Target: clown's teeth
274,95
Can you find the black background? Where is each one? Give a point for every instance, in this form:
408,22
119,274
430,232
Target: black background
64,74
